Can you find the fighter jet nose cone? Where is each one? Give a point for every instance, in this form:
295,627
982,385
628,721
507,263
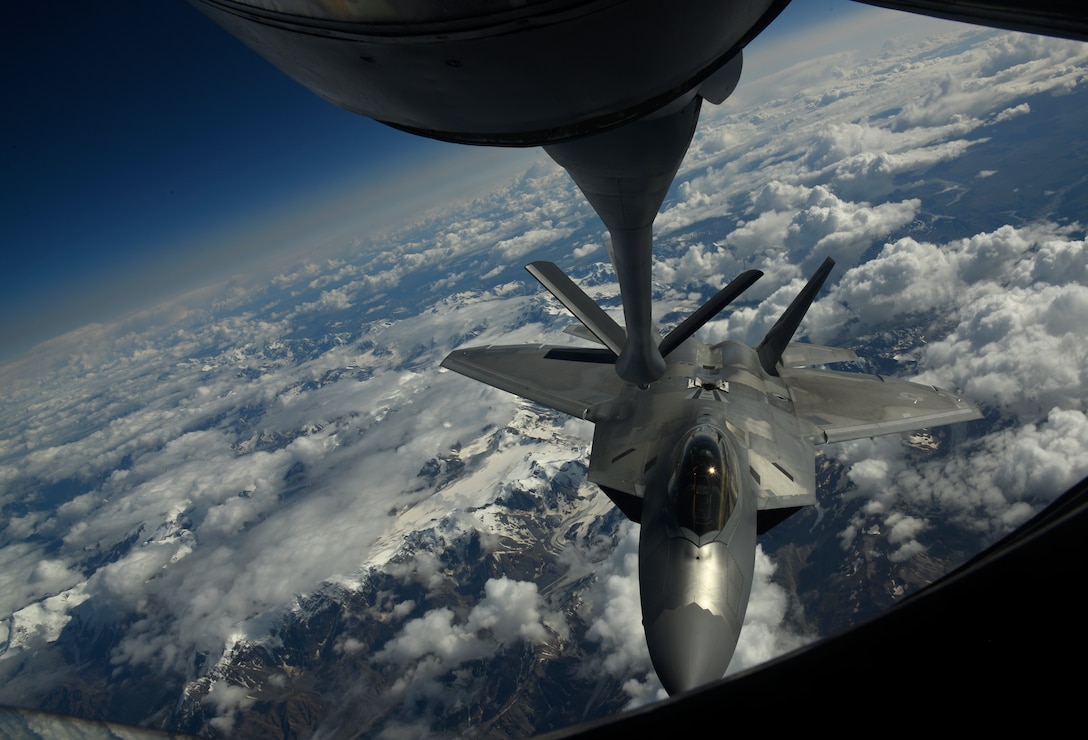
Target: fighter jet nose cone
690,646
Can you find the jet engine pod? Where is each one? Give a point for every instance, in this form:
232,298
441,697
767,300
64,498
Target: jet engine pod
497,72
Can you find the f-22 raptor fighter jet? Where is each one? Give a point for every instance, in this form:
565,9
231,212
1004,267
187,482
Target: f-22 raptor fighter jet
717,450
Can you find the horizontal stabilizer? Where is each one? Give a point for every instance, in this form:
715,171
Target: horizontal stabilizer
774,344
708,310
584,308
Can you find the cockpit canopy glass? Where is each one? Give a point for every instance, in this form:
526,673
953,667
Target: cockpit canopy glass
701,488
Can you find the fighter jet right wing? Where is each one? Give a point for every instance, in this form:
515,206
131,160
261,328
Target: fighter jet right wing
566,379
847,406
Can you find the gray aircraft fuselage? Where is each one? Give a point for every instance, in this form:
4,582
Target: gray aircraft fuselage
696,553
699,502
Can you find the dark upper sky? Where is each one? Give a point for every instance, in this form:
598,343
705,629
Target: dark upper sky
134,127
136,130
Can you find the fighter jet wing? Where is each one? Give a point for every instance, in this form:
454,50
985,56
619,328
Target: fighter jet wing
568,379
855,405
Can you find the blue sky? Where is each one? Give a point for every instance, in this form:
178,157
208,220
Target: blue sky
145,147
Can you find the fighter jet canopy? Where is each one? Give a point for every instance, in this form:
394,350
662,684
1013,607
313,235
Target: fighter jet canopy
702,488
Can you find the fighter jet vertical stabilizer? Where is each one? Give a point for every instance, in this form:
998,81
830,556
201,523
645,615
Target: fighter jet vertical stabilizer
778,338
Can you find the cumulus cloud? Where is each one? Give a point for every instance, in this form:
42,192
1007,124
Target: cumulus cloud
990,488
585,250
765,634
1012,340
515,248
437,643
615,615
868,128
1015,341
509,611
228,700
794,228
1013,112
902,533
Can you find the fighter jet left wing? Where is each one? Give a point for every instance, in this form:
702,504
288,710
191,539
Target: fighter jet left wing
847,406
543,374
